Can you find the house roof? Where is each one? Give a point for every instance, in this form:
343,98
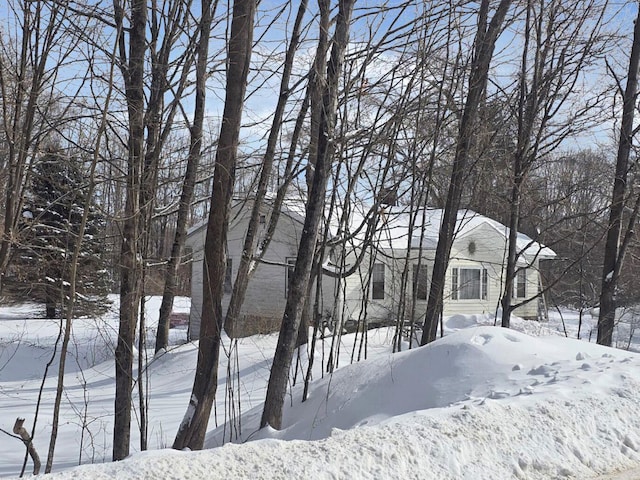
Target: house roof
393,226
293,208
394,230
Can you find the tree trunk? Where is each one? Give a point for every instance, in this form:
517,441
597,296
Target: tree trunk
19,429
510,270
73,274
277,387
525,125
192,430
613,254
193,161
484,45
244,270
558,46
130,274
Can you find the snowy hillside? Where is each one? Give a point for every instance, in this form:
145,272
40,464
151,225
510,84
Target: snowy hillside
481,403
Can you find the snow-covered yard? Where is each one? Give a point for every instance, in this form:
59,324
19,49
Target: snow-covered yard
481,403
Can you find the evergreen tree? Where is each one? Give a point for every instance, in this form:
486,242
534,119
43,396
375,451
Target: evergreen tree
51,221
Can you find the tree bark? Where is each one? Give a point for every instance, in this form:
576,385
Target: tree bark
613,254
193,161
244,270
130,269
18,429
277,387
483,52
192,430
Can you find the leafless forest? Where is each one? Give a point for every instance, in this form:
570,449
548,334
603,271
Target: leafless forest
123,124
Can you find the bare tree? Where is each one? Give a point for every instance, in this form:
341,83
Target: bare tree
194,425
324,106
561,41
251,238
615,249
486,36
144,32
73,278
132,67
28,71
190,176
568,195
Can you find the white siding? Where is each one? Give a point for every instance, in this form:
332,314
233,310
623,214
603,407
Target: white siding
483,248
265,298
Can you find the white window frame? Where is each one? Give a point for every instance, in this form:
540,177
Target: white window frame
520,284
461,292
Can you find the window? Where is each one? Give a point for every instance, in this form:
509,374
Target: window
469,284
420,282
377,281
520,284
228,284
291,266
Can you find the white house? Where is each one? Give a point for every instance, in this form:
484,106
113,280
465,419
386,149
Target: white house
400,259
266,294
396,260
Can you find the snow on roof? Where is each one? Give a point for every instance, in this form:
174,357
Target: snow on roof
525,244
394,229
294,207
393,226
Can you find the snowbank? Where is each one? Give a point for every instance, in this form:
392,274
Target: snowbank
482,403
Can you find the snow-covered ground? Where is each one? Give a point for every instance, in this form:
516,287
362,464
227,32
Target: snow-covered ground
481,403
